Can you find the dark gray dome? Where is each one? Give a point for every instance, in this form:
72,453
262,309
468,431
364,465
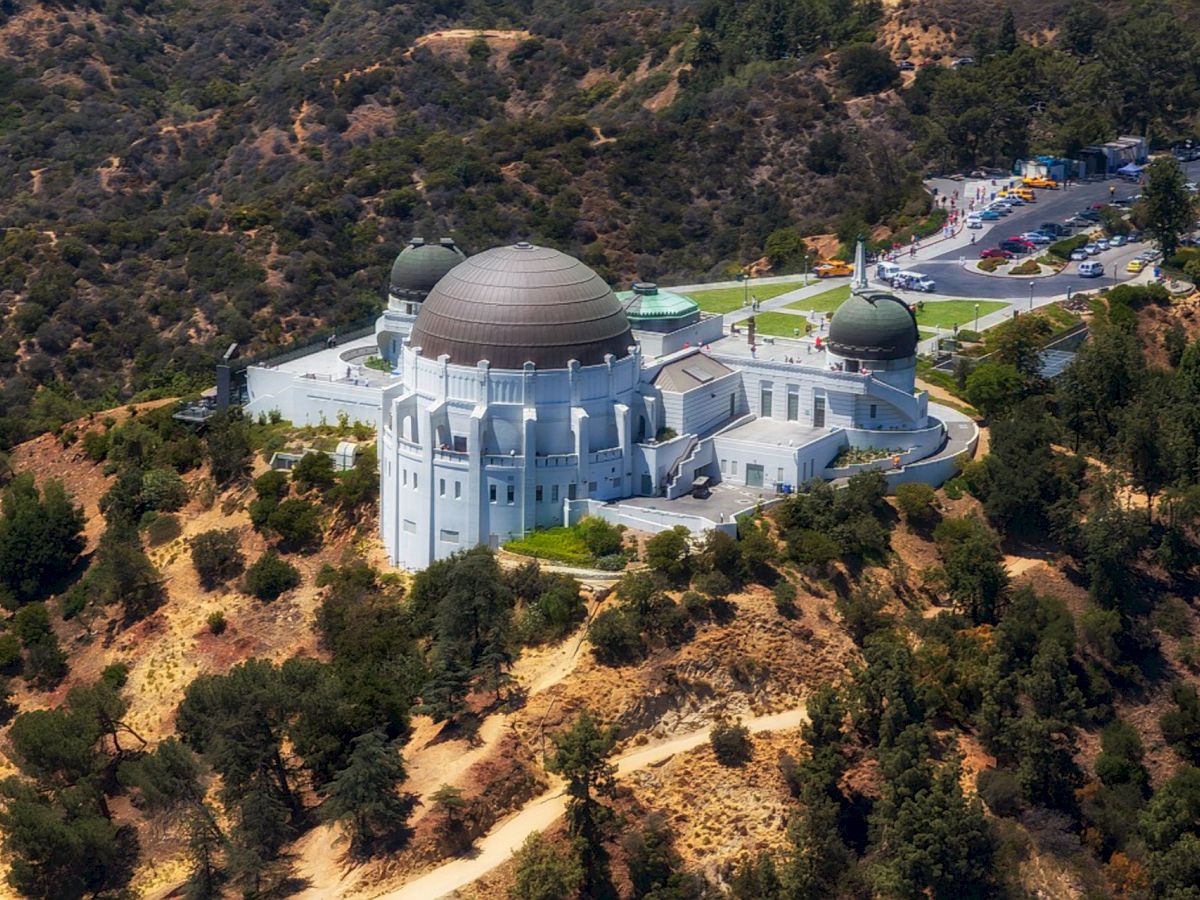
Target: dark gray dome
518,304
873,326
420,265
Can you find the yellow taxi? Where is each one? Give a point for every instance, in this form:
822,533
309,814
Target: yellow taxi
1025,194
1135,265
834,268
1040,181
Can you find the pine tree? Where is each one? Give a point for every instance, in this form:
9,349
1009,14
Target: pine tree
364,797
444,697
450,805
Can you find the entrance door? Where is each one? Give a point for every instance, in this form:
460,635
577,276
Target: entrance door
818,412
754,476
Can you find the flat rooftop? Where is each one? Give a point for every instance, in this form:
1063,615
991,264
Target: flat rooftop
343,363
775,432
723,502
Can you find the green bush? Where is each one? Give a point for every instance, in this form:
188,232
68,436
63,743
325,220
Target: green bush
731,743
615,637
270,576
163,490
314,470
163,530
1063,249
216,622
217,557
600,537
1000,790
918,502
297,521
10,652
967,335
785,599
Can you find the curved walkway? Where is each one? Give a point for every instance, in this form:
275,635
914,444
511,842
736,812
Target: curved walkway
496,847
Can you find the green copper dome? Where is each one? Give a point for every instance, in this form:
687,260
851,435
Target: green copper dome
873,325
420,266
647,301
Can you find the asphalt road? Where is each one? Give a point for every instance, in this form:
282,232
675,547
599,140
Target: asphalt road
1051,206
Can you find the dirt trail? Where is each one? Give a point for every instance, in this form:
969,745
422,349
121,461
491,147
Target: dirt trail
540,813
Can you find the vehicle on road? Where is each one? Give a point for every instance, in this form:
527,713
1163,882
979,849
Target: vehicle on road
915,281
962,61
905,66
1091,269
834,268
1079,254
1102,243
1010,198
1040,181
1117,240
1025,194
1053,228
1036,237
1092,249
989,215
1135,265
995,253
1001,208
1090,215
886,271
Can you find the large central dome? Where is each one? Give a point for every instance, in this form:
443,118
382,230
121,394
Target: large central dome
875,326
518,304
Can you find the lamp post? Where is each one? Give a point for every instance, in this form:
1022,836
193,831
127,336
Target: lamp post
1031,284
977,317
806,269
744,278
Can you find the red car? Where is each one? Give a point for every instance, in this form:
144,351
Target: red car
1020,240
995,253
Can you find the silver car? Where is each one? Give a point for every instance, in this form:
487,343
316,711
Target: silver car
1092,249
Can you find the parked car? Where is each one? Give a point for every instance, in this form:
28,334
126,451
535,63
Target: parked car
1020,248
995,253
1079,254
1092,249
989,215
834,268
962,61
1036,237
1135,265
905,66
1090,215
886,271
1021,239
1052,228
1102,243
975,221
1117,240
1091,269
1040,181
915,281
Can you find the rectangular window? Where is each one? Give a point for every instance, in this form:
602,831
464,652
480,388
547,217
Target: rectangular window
571,491
512,494
724,466
537,493
754,475
449,537
457,489
852,365
872,410
591,486
491,493
765,402
554,493
441,487
793,404
414,481
733,467
405,474
779,475
818,412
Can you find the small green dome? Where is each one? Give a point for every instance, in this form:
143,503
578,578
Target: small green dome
420,266
873,325
647,301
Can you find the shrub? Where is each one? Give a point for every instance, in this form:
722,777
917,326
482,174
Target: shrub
615,637
918,502
785,599
297,521
273,484
696,605
216,622
1029,267
163,490
669,552
601,538
270,576
731,743
217,557
991,264
163,530
314,470
1000,790
968,335
10,652
713,584
1063,249
542,871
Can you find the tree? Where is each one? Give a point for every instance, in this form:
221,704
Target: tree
1019,344
544,872
1166,206
163,490
358,485
270,576
918,502
654,866
974,567
1181,725
313,470
615,636
124,574
41,537
364,796
602,538
1085,21
786,250
994,388
228,441
865,69
450,805
669,552
1006,38
581,756
217,557
297,522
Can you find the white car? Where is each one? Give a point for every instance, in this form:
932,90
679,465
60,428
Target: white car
974,222
1079,254
1036,237
915,281
1102,243
1092,250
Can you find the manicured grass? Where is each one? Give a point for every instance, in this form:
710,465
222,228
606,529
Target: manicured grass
825,302
945,313
558,544
779,324
723,300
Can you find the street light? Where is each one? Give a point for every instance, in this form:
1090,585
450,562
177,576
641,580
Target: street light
976,317
744,277
1031,296
806,269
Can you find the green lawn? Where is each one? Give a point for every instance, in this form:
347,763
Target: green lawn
558,544
948,313
825,302
723,300
779,324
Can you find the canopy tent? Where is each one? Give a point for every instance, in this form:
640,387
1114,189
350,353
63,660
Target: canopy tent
1130,169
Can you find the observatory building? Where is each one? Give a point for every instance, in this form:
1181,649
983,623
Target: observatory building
521,392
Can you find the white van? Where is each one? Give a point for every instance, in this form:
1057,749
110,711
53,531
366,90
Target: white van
1091,269
915,281
886,271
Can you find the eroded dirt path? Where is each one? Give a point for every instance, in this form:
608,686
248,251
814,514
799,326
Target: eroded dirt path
501,842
